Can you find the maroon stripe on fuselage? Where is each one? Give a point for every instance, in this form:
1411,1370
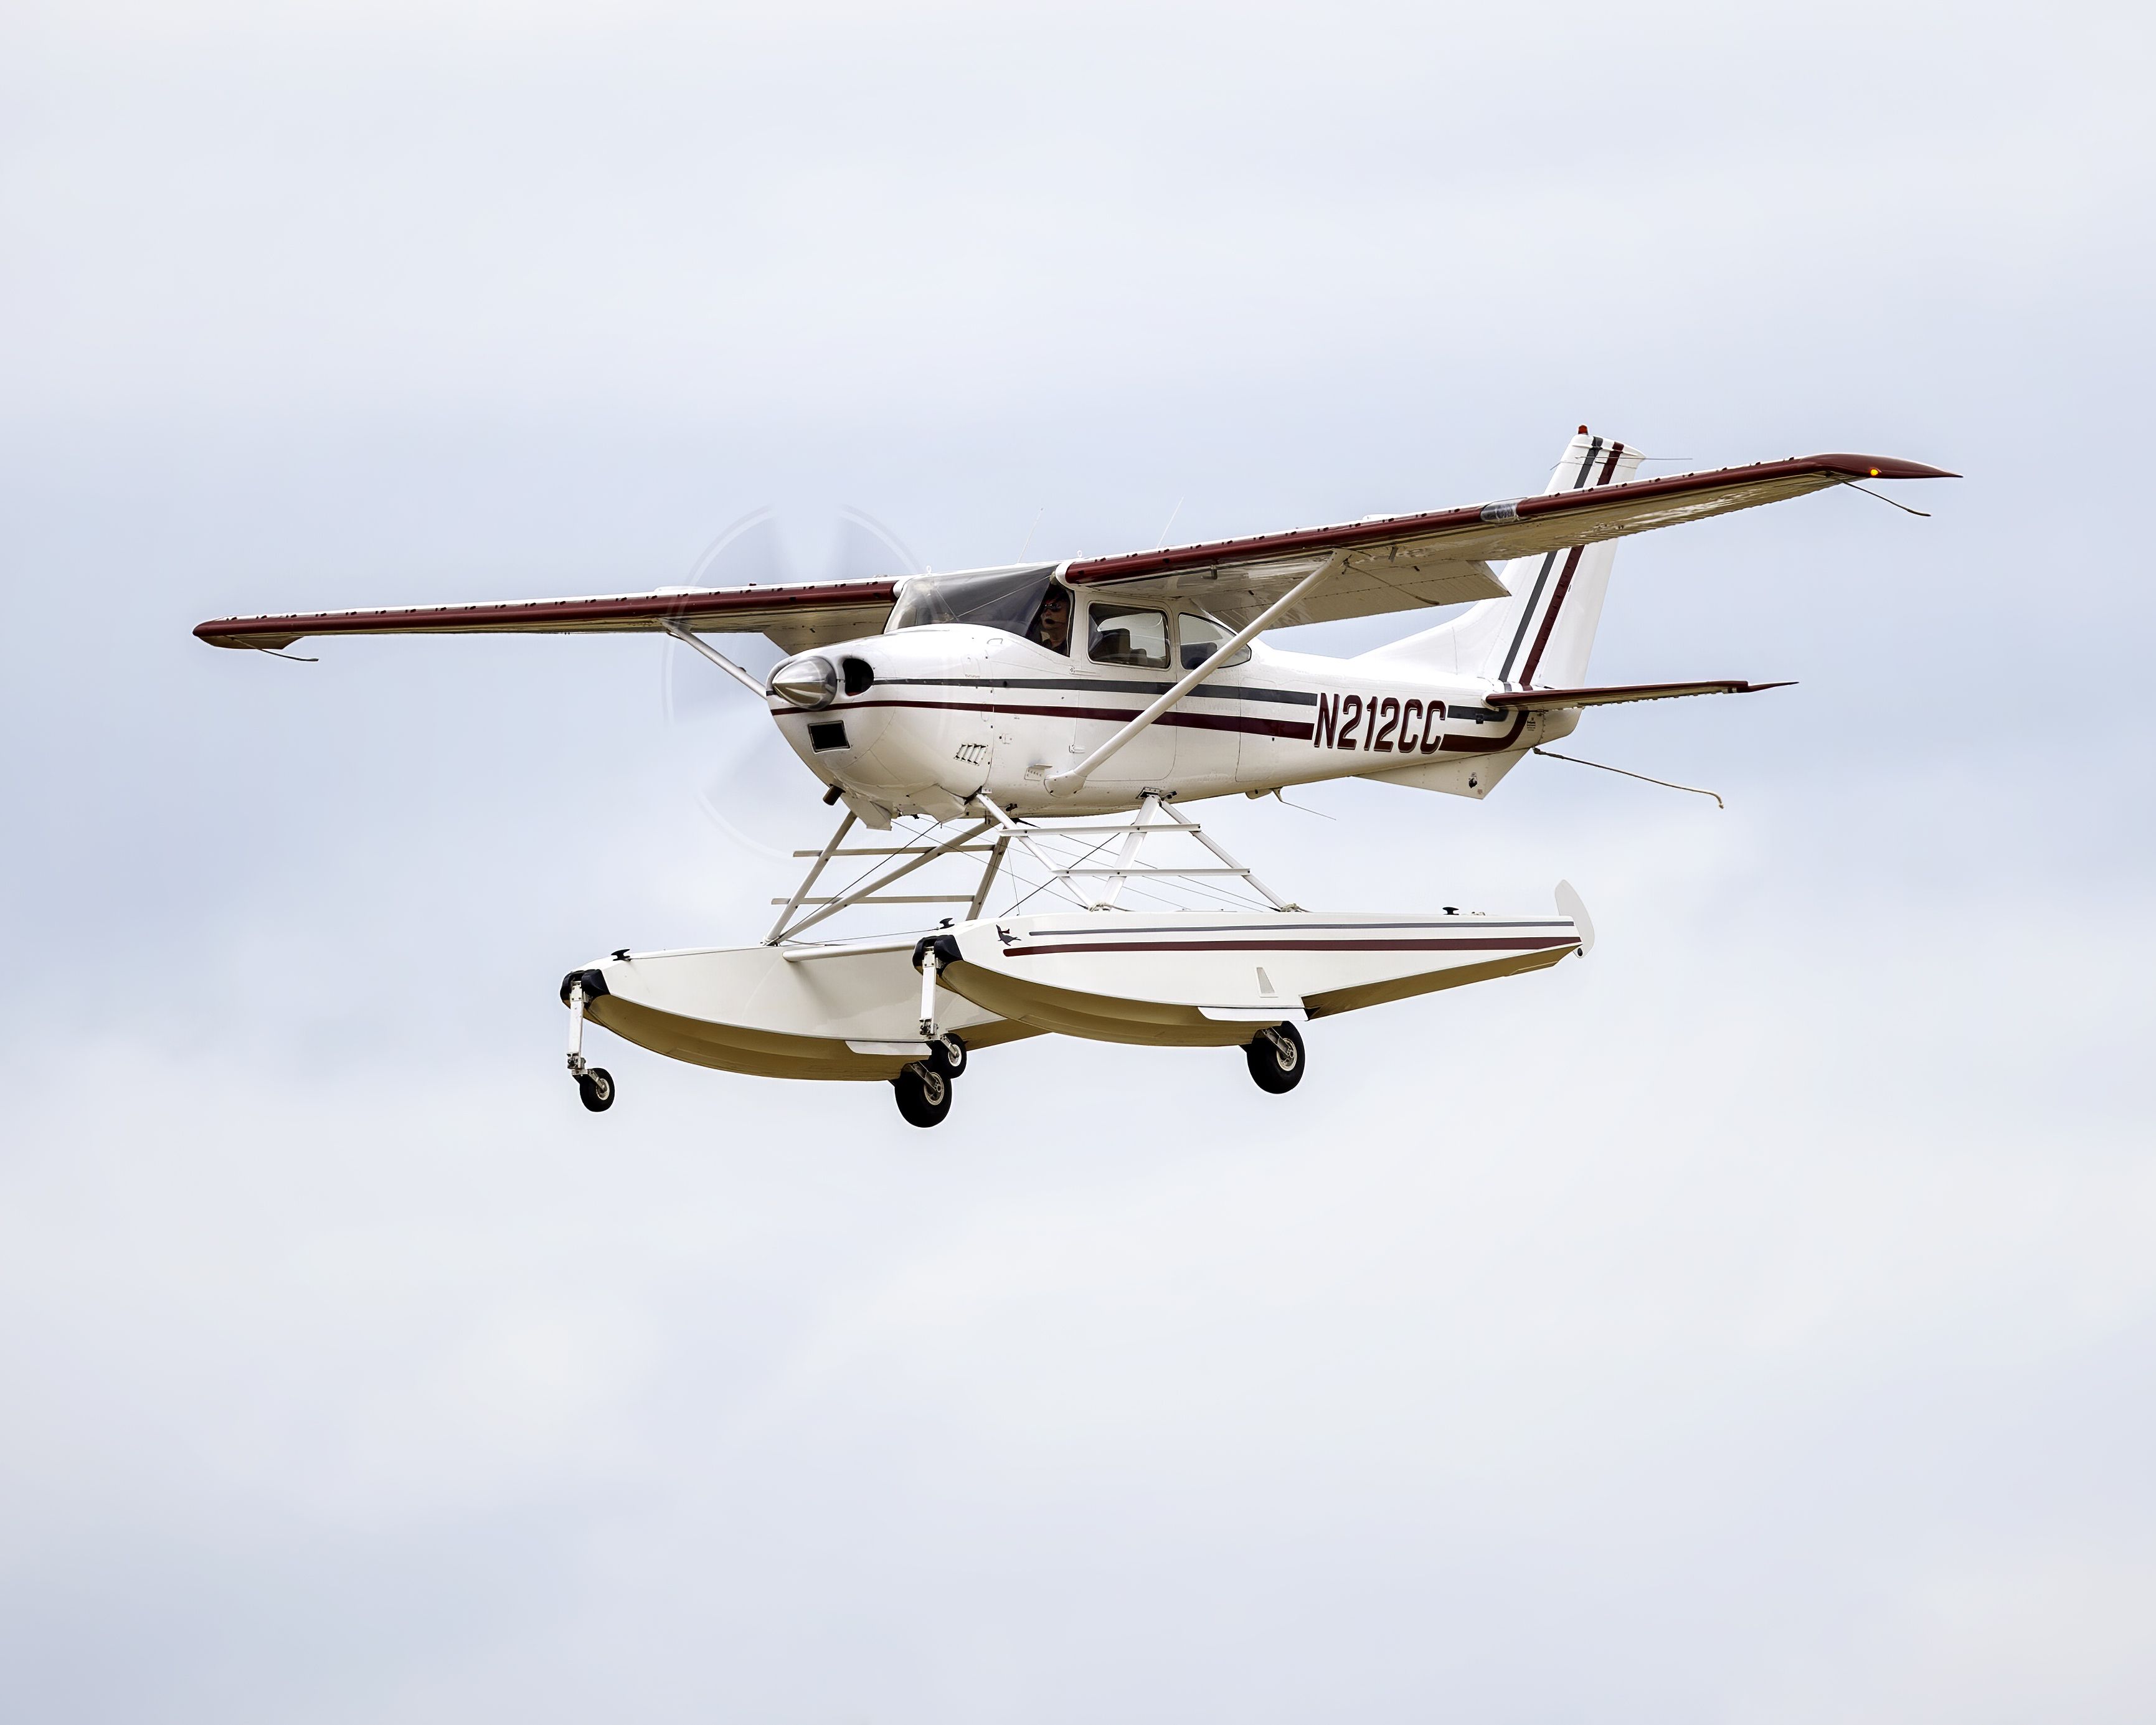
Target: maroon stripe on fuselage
1471,945
1189,721
1453,745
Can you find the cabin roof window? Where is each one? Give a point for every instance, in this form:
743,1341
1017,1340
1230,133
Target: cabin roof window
1007,600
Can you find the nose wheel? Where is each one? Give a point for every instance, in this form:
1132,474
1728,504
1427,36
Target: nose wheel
1276,1059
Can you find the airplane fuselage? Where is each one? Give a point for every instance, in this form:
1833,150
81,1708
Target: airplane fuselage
924,719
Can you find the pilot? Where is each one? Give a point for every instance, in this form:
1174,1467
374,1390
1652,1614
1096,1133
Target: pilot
1051,623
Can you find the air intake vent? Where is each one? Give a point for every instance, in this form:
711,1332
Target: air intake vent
829,735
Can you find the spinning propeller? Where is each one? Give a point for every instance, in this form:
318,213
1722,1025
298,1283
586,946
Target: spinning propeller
750,785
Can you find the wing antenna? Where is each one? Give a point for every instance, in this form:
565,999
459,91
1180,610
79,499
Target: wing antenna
1884,498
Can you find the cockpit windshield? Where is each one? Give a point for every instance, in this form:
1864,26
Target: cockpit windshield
1007,600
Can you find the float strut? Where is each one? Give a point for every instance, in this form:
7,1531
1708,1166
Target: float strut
577,1063
930,964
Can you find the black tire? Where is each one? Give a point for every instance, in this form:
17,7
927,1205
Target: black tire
595,1085
1276,1059
947,1055
924,1094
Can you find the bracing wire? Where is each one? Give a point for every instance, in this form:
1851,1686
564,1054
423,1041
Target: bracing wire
1667,784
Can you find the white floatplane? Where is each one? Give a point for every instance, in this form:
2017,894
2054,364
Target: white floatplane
1039,729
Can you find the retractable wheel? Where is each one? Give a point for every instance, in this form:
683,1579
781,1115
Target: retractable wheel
924,1094
595,1084
947,1055
1276,1059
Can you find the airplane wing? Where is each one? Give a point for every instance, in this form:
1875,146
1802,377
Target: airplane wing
1398,563
796,617
1537,701
1386,563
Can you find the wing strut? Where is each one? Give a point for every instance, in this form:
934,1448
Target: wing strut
688,638
1076,776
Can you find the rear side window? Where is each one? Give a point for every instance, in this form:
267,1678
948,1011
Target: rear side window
1201,638
1128,635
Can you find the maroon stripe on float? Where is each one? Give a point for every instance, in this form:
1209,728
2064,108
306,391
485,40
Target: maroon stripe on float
1085,570
1284,946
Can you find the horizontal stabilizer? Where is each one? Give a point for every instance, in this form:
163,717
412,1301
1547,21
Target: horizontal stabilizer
1543,700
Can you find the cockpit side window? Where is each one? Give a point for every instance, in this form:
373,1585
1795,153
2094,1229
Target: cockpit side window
1128,634
1007,600
1201,638
1050,627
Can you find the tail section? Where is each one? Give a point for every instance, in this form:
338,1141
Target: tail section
1538,636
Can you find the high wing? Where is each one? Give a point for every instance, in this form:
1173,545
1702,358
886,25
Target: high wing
1387,564
1399,562
1539,700
796,617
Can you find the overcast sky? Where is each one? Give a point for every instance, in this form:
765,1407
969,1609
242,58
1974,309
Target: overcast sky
1753,1324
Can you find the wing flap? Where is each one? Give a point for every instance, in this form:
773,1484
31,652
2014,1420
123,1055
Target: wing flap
1540,701
1358,586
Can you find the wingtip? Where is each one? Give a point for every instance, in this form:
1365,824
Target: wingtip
1889,467
232,632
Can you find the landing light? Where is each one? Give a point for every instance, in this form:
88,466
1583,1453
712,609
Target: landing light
809,681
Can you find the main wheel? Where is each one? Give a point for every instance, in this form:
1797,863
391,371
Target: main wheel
947,1055
595,1084
1275,1058
924,1094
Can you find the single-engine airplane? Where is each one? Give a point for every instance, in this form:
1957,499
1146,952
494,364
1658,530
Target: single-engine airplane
1056,717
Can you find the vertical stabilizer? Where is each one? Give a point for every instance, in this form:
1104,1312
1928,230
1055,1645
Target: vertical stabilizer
1539,635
